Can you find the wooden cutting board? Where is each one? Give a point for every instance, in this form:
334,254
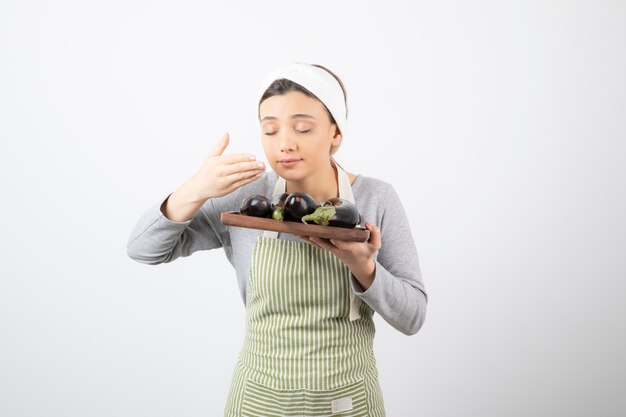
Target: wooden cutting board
234,218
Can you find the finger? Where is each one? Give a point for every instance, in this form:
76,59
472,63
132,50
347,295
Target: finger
220,146
233,158
239,176
375,239
342,244
239,167
307,240
249,178
312,242
323,243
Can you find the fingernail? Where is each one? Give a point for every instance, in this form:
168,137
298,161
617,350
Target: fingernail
252,157
260,165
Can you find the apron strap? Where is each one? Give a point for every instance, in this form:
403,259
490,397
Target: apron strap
345,191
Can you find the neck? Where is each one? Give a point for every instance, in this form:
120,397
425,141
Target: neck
321,186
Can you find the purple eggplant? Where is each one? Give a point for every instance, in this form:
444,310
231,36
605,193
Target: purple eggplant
336,212
298,205
256,205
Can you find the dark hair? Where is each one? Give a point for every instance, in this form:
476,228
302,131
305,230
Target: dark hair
284,86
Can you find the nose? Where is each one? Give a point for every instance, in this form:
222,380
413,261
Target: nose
287,144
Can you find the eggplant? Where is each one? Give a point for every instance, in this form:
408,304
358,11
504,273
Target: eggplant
298,205
256,205
278,206
336,212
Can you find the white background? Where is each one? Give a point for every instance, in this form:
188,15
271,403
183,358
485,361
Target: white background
500,124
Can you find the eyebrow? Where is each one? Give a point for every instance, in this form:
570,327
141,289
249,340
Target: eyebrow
293,116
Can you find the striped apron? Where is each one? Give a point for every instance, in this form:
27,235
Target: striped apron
305,352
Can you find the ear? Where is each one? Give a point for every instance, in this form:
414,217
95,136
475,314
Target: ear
336,139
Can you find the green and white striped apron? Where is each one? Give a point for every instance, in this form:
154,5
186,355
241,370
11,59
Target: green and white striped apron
308,349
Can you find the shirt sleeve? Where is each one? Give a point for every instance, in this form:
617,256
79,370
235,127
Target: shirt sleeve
156,239
397,292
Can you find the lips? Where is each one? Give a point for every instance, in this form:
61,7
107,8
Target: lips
289,162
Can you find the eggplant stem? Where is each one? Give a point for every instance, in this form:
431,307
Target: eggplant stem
320,216
277,214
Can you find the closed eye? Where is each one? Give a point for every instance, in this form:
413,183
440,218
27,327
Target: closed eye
299,131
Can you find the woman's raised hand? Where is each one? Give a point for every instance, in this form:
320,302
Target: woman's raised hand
222,174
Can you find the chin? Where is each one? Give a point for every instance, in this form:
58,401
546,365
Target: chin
291,174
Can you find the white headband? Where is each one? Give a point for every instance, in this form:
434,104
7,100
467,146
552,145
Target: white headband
319,82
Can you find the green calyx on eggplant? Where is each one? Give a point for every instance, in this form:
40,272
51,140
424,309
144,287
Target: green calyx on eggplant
256,205
336,212
298,205
278,206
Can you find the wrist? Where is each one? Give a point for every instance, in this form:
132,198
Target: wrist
364,273
190,190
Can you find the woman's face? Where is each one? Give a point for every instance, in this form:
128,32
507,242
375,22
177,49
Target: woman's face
297,134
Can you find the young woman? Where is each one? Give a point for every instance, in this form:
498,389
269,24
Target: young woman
309,302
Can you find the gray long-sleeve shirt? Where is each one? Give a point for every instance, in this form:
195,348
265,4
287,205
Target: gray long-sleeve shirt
397,292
